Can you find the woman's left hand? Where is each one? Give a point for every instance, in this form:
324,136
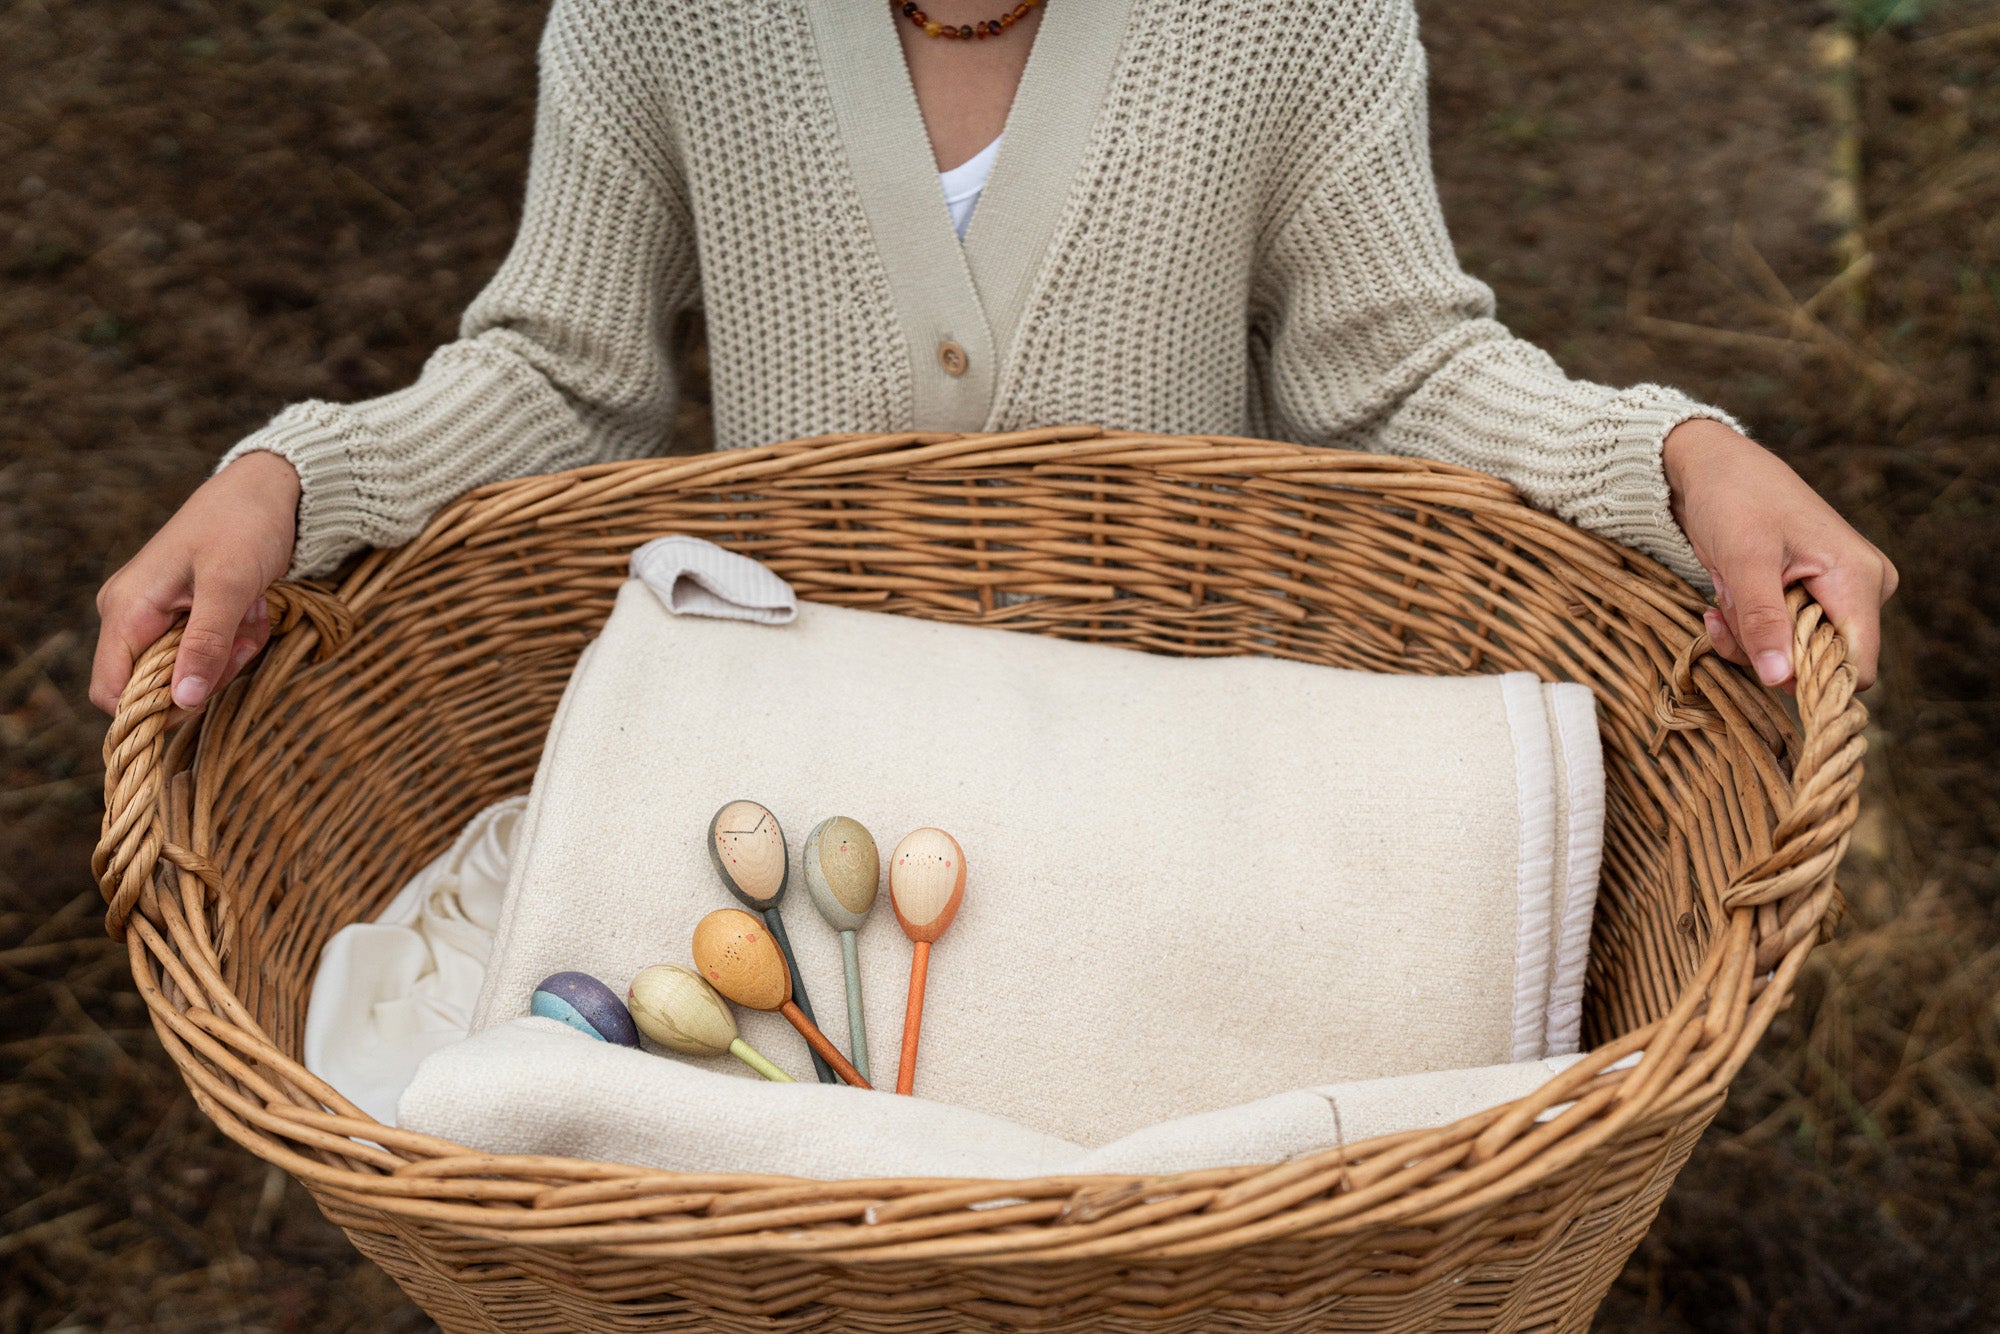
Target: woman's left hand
1757,528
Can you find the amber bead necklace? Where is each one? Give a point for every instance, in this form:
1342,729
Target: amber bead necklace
965,31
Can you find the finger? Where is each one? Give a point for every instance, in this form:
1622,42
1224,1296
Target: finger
1723,638
221,597
129,628
1716,621
1852,599
1757,613
251,636
240,653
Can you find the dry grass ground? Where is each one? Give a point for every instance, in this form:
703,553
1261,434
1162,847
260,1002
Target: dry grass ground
209,208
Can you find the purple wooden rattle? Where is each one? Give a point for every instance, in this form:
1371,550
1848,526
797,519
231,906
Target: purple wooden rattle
587,1005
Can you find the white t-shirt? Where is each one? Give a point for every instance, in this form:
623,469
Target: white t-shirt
963,183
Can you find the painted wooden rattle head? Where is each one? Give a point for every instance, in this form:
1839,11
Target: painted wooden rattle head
586,1005
747,846
677,1009
842,870
926,882
738,955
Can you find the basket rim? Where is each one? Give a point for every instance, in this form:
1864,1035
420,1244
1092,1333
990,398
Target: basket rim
268,1102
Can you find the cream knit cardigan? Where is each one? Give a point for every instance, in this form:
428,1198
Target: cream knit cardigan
1202,219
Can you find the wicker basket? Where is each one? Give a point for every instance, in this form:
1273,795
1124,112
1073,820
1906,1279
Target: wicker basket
392,708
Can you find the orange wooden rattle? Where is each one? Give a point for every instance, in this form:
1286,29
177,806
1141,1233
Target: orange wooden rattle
736,952
926,881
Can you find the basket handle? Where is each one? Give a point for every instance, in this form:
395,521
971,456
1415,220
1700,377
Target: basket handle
1807,845
133,838
1826,776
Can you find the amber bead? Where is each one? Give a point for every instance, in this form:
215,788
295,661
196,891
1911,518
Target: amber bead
963,32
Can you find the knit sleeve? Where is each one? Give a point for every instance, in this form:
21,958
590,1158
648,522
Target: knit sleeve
564,359
1368,335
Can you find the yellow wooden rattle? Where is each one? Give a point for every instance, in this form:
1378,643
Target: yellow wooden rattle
679,1010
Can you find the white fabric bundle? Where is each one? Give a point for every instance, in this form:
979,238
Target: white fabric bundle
1194,884
390,992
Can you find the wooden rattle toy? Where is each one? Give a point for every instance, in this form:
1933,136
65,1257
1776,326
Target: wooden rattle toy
748,849
926,881
734,951
586,1005
680,1011
842,869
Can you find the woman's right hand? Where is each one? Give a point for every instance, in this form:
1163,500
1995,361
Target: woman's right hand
212,560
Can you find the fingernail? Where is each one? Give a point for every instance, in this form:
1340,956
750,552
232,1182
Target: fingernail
1722,595
1712,622
1772,668
260,610
190,691
243,654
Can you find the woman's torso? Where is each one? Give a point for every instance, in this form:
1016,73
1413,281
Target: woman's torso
1108,274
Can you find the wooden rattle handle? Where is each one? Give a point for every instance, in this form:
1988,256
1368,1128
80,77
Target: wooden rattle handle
777,925
822,1046
913,1016
857,1021
753,1058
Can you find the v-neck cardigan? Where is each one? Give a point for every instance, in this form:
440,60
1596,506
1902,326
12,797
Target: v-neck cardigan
1200,221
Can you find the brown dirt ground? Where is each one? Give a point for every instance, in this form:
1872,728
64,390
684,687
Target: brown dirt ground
209,208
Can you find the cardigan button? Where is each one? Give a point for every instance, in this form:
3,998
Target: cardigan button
952,357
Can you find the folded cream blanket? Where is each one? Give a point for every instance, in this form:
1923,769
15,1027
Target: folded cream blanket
1194,883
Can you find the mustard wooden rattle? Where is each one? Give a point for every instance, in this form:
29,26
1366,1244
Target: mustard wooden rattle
926,881
680,1011
842,869
734,951
748,849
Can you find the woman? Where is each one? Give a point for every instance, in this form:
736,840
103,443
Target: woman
1200,218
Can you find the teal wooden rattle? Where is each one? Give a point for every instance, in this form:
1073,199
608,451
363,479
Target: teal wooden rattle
842,871
748,848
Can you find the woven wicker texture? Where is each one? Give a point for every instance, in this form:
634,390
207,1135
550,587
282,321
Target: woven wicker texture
387,711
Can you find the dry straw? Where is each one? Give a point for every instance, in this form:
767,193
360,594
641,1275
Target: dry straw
391,708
